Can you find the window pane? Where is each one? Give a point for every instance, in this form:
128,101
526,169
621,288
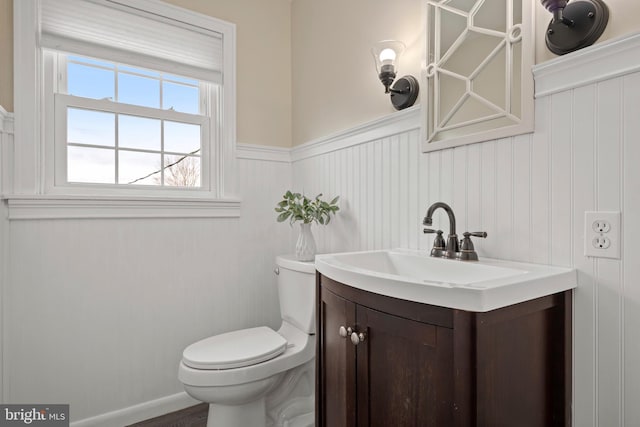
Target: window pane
138,132
96,165
139,168
181,137
89,82
180,98
182,171
138,90
90,127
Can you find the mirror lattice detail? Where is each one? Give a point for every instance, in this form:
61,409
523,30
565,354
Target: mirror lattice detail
474,67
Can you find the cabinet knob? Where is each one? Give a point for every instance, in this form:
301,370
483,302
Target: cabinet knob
345,332
357,338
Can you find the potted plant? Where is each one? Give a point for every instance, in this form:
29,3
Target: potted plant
298,208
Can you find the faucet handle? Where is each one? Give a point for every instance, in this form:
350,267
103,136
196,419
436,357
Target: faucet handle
482,234
438,243
467,251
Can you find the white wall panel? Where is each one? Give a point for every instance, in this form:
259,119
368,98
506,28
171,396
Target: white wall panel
630,293
521,202
608,197
98,312
6,144
541,184
529,193
584,315
561,178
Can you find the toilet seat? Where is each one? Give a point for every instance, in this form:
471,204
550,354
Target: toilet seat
235,349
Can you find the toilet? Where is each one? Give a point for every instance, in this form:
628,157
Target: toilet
235,371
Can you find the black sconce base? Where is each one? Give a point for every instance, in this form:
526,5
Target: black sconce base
404,92
589,19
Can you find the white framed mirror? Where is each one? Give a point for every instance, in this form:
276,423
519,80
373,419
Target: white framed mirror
477,71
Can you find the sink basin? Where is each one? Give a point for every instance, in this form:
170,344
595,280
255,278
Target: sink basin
413,275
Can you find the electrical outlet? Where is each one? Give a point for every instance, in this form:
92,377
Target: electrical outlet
602,234
602,242
601,226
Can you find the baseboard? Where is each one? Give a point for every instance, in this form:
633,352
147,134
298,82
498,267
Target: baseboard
140,412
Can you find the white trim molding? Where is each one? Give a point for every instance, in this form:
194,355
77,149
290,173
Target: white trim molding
602,61
392,124
263,152
6,121
140,412
23,207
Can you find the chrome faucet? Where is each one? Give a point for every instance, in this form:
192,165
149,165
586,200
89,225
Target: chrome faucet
462,250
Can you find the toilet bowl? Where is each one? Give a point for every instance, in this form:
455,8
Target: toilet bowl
234,372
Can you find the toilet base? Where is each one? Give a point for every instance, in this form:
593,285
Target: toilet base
250,414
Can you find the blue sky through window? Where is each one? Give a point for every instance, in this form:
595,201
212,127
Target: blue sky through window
136,150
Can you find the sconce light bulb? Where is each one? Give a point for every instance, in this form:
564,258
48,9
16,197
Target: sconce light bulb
387,56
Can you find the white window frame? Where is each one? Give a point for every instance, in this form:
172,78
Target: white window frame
34,186
56,97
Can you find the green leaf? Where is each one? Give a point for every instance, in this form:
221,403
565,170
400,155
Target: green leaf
298,207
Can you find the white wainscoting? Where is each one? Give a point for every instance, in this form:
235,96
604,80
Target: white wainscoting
6,139
96,312
529,193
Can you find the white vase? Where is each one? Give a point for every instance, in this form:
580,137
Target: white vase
306,245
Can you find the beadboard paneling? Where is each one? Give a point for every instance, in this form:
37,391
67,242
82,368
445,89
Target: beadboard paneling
96,312
529,193
630,291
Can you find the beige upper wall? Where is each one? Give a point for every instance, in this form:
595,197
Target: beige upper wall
335,85
263,64
304,68
334,82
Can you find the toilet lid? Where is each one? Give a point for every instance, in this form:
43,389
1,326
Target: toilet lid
235,349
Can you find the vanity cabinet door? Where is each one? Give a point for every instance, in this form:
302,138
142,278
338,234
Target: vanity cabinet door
336,362
404,371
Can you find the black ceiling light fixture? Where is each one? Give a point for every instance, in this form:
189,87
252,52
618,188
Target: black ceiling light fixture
404,91
575,25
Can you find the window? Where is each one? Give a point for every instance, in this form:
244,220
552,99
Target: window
123,125
131,98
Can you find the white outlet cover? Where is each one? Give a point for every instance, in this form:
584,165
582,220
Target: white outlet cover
599,227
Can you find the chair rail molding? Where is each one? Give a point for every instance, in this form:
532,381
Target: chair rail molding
603,61
392,124
263,152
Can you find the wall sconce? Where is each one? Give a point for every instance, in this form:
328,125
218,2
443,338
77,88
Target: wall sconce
575,25
404,91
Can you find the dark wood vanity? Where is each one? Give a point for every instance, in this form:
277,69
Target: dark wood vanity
413,364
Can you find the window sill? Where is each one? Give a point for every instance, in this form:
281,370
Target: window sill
25,207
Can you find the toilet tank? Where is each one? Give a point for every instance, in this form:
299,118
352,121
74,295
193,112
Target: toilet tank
297,292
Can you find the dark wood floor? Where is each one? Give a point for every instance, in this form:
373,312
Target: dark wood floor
194,416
